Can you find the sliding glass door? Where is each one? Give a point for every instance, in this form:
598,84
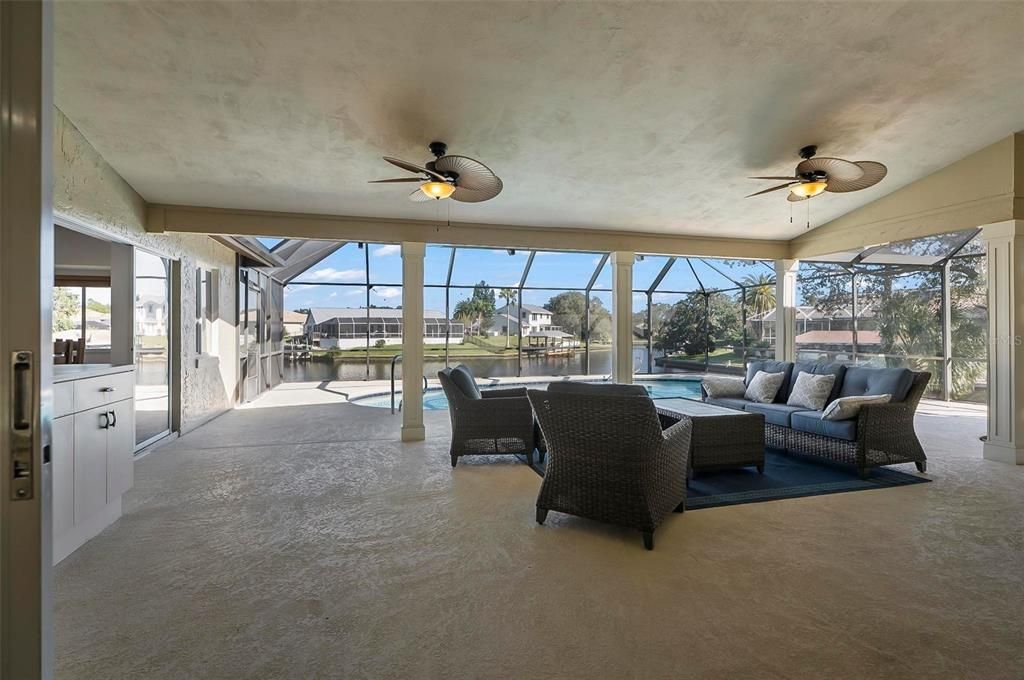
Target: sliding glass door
152,347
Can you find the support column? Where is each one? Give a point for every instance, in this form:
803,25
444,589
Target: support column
785,309
1005,242
622,316
412,341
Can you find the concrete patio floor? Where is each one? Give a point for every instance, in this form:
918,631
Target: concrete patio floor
296,538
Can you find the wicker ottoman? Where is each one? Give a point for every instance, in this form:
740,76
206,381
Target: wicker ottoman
722,437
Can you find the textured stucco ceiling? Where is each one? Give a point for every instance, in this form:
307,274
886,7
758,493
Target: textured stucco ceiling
623,116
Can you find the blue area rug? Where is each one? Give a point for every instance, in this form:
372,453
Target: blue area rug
785,475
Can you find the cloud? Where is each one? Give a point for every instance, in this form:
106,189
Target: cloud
388,250
353,292
333,295
388,293
332,274
295,287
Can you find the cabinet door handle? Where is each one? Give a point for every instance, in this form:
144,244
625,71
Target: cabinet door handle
113,419
108,389
105,423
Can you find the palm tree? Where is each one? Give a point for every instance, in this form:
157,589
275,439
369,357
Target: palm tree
760,293
466,312
509,296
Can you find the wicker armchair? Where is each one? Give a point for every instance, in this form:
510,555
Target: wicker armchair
487,422
609,460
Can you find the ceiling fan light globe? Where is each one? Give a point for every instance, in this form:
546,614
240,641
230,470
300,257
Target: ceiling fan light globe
437,190
808,189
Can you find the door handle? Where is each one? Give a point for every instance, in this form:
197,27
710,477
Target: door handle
22,401
108,389
105,423
113,419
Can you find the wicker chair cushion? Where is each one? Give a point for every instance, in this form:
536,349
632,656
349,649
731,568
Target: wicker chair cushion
607,389
776,414
783,367
860,381
810,421
764,387
811,391
463,379
815,368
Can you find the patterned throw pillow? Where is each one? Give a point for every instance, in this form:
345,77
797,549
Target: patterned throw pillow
847,408
764,386
811,391
720,386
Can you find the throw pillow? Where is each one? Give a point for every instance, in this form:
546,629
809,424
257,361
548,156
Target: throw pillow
811,391
847,408
764,386
721,387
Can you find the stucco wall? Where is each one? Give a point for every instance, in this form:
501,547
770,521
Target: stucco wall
88,190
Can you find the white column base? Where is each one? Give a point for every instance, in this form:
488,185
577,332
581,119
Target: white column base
1003,453
413,433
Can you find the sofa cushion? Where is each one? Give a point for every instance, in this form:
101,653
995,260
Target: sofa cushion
719,386
860,380
810,421
728,402
764,387
776,414
816,368
848,408
811,391
607,389
463,379
784,367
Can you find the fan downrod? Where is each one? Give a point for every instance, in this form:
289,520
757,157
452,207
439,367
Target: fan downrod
808,151
438,149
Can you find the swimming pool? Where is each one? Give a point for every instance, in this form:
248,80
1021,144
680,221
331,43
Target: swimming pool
434,399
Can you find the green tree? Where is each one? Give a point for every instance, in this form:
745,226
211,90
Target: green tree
600,322
67,310
760,293
486,304
693,328
567,310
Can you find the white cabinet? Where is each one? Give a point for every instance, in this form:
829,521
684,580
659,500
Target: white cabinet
92,453
90,462
121,449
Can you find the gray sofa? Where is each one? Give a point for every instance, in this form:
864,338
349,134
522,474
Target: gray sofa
882,434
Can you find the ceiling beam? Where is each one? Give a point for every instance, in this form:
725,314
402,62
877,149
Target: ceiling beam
983,188
188,219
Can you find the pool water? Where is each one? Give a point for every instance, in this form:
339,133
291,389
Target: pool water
434,399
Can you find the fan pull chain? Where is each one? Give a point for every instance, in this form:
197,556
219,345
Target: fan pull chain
808,201
791,212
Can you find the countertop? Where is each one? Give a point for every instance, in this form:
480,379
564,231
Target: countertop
66,372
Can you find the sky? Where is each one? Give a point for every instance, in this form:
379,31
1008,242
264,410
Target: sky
499,268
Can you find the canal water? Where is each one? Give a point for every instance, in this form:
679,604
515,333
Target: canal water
493,367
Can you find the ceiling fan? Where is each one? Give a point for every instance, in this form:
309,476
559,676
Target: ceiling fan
458,177
816,175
